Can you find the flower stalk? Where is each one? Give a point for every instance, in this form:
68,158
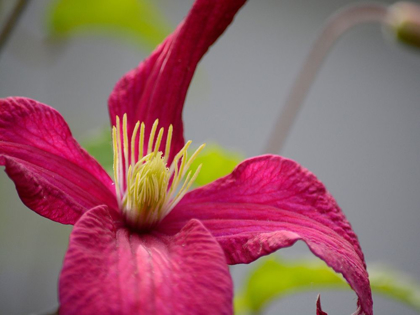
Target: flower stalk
11,22
334,28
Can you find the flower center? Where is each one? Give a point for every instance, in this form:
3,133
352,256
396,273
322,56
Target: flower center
147,188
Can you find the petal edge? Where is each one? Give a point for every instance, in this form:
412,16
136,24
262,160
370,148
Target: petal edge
268,203
111,270
157,88
53,175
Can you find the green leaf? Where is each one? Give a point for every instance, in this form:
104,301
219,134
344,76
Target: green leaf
138,18
99,146
395,285
274,278
216,162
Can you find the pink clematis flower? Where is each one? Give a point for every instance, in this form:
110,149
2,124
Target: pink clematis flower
142,244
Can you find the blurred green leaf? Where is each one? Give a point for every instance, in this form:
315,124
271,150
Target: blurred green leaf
139,18
216,162
274,278
395,285
100,147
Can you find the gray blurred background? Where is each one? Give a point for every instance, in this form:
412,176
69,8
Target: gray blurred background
358,131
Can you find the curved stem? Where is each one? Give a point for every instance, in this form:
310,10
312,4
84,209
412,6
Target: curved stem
333,29
11,22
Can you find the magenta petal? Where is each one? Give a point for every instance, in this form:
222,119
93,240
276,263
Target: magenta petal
319,310
158,87
267,203
111,270
53,175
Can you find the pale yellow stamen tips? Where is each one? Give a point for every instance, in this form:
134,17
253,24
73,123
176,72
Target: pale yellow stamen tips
147,188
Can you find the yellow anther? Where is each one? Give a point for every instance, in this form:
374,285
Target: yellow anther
147,188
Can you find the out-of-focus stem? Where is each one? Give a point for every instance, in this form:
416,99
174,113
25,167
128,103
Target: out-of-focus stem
11,22
333,29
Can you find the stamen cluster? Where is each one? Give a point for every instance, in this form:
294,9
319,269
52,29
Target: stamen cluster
147,188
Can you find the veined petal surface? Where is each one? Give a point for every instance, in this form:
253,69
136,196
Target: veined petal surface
157,88
53,175
109,269
270,202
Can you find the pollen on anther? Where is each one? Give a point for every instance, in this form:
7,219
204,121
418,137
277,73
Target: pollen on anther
147,187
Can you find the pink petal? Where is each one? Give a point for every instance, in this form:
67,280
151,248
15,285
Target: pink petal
109,269
319,310
158,86
53,175
267,203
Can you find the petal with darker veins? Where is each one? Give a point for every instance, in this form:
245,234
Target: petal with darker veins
53,175
109,269
268,203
